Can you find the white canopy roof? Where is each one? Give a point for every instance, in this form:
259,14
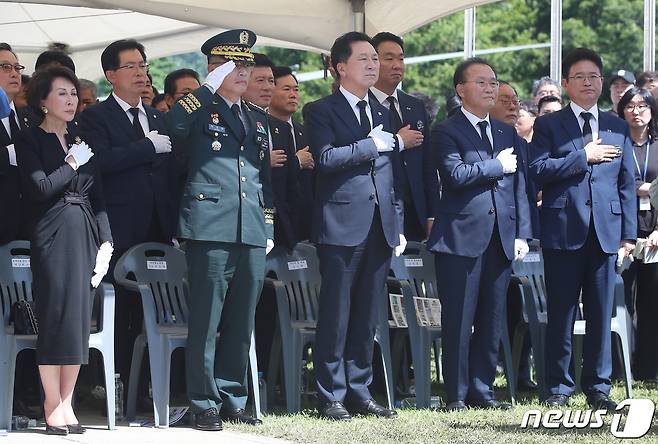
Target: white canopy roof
174,27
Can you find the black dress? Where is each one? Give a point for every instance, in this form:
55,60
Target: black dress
68,223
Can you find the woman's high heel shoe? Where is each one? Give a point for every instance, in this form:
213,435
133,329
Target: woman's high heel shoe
76,429
54,430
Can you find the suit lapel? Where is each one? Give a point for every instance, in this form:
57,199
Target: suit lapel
472,135
120,116
4,136
497,133
227,116
248,113
570,124
344,111
377,110
153,118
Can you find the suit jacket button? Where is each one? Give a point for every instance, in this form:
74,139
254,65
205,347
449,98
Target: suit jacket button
241,163
200,196
242,148
588,203
492,210
372,196
244,195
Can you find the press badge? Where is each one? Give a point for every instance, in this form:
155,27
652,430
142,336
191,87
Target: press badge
645,203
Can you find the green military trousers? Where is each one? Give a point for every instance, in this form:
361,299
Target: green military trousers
225,281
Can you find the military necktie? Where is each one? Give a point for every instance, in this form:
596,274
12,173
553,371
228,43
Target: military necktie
587,129
396,121
483,124
363,117
13,126
236,113
139,131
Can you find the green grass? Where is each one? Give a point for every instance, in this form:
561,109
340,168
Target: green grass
427,426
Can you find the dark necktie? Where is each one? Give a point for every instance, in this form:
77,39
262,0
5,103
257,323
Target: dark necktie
396,121
587,129
139,131
483,124
236,113
363,117
13,126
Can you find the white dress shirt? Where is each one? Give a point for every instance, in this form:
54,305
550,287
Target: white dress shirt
474,121
5,122
593,121
125,106
382,98
354,104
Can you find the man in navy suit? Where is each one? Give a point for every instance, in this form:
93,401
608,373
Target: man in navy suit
482,225
133,150
582,159
410,122
357,223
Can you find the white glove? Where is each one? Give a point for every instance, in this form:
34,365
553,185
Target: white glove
400,248
161,142
216,76
80,152
508,159
269,246
520,249
12,155
383,140
102,263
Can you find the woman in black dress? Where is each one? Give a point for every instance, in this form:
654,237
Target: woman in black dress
70,238
638,107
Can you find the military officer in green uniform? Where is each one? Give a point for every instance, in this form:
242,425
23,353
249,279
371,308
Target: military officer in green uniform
227,219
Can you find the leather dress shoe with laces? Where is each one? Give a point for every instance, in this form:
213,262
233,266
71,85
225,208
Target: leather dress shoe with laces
238,415
493,404
557,400
370,407
455,406
334,410
601,401
208,420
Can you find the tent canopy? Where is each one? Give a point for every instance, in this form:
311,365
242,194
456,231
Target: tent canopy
168,27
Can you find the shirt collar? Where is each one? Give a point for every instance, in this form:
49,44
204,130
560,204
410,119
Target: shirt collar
382,96
125,106
475,119
578,109
351,98
230,104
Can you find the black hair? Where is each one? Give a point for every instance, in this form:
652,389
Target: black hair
48,58
578,55
157,99
7,47
648,99
453,103
42,84
386,37
505,82
261,60
172,78
110,55
341,50
646,77
282,71
547,99
460,72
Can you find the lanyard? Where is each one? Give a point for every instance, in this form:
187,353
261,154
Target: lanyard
646,162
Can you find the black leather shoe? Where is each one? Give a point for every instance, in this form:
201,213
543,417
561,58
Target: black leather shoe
55,430
526,385
601,401
76,429
334,410
455,406
557,400
370,407
493,404
238,415
208,420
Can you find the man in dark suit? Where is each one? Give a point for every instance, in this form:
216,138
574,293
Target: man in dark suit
357,222
285,102
410,122
482,225
582,159
134,155
227,217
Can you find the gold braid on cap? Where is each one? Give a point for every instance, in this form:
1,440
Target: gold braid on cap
232,51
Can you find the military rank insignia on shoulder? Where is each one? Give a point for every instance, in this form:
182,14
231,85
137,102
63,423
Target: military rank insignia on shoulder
189,103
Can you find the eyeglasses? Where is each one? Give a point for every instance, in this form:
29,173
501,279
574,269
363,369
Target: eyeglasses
639,107
508,102
580,78
134,66
482,83
8,67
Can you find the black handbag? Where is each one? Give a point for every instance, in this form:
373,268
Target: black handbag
25,322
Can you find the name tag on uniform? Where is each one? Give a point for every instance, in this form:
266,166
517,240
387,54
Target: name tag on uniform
156,265
297,265
216,128
413,262
645,203
20,262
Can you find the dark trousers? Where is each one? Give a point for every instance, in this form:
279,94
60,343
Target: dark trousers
568,272
353,281
473,294
225,282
